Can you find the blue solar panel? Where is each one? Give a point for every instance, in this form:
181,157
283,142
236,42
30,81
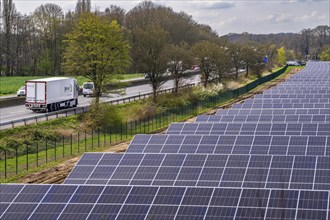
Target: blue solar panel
267,158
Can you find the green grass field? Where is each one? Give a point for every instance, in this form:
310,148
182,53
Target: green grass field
10,85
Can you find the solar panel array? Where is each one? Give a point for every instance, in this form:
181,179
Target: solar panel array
76,202
232,144
251,128
207,170
268,158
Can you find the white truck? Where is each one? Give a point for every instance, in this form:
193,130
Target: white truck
51,94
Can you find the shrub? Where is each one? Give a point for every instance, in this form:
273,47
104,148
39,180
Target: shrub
101,116
169,101
139,110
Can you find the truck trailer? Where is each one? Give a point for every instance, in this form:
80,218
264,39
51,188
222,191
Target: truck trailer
51,94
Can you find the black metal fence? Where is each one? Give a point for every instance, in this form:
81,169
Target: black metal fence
23,158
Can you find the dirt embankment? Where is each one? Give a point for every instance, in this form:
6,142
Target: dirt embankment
58,173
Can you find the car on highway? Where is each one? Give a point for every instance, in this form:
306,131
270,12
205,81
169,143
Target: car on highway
21,91
88,89
292,63
195,68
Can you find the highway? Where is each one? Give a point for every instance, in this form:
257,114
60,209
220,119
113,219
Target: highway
20,112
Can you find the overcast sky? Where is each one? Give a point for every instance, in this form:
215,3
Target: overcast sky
236,16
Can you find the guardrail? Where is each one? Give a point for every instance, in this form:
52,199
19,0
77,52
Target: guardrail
79,109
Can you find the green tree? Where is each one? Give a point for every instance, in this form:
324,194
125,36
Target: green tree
204,53
290,54
325,53
222,62
179,61
96,49
235,52
248,57
150,54
281,56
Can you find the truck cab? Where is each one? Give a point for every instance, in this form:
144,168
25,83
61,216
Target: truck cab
88,89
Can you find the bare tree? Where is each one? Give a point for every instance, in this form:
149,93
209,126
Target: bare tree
204,54
48,19
115,13
179,61
150,44
235,52
83,6
222,62
8,17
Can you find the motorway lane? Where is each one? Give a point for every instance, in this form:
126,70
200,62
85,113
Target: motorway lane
20,112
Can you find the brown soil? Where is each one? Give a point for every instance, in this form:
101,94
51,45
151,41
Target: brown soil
58,173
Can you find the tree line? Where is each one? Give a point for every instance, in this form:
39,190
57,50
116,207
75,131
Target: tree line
33,44
158,39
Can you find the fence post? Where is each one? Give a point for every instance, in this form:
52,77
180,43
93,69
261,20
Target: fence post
140,123
116,133
37,156
104,137
126,129
55,149
6,164
71,145
46,152
92,139
85,141
110,134
98,138
144,125
16,160
78,143
27,157
63,153
131,128
152,123
121,131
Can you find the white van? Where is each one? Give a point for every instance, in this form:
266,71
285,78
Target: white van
88,88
